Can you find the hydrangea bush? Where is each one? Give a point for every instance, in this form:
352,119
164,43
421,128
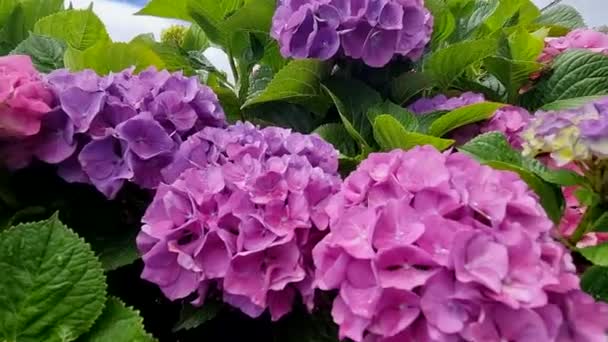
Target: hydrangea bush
365,171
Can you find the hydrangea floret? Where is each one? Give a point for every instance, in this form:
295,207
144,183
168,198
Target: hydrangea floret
577,39
374,31
240,214
107,130
430,246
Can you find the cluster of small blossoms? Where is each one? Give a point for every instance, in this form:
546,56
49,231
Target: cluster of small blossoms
116,128
374,31
425,246
241,214
24,98
579,134
576,39
509,120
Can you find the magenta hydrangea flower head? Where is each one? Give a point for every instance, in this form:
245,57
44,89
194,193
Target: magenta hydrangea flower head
120,127
577,39
430,246
374,31
24,98
444,103
240,213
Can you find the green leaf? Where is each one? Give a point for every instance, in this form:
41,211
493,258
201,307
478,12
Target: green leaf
195,39
173,58
512,74
601,224
463,116
390,134
255,16
562,15
24,14
444,22
598,255
595,282
405,117
282,114
482,11
298,82
576,73
524,46
571,103
337,135
113,57
80,29
117,323
118,250
210,15
492,149
191,317
230,103
46,52
408,85
353,99
511,12
176,9
53,287
445,65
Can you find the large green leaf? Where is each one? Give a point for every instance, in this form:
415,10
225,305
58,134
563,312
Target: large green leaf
46,52
337,135
117,323
353,99
576,73
562,15
113,57
524,46
176,9
512,74
511,12
195,39
23,15
80,29
405,117
493,150
408,85
390,134
210,15
598,255
282,114
595,282
52,285
298,82
571,103
191,317
444,22
446,64
463,116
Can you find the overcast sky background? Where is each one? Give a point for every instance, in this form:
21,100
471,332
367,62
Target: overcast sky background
123,25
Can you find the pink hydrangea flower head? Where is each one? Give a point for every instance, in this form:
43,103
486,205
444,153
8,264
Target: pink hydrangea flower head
511,121
240,213
430,246
24,98
374,31
577,39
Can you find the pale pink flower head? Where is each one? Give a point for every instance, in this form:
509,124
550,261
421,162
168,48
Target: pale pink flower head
429,246
24,98
577,39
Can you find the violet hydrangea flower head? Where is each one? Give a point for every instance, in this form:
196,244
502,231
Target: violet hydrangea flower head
577,39
579,134
372,30
240,213
444,103
24,98
429,246
121,127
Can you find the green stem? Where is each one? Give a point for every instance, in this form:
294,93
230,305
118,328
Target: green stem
234,70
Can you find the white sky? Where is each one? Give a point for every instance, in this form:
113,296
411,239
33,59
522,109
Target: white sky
123,25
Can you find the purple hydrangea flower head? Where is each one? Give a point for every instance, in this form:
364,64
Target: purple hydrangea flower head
372,30
510,120
577,39
578,134
430,246
120,127
239,212
444,103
